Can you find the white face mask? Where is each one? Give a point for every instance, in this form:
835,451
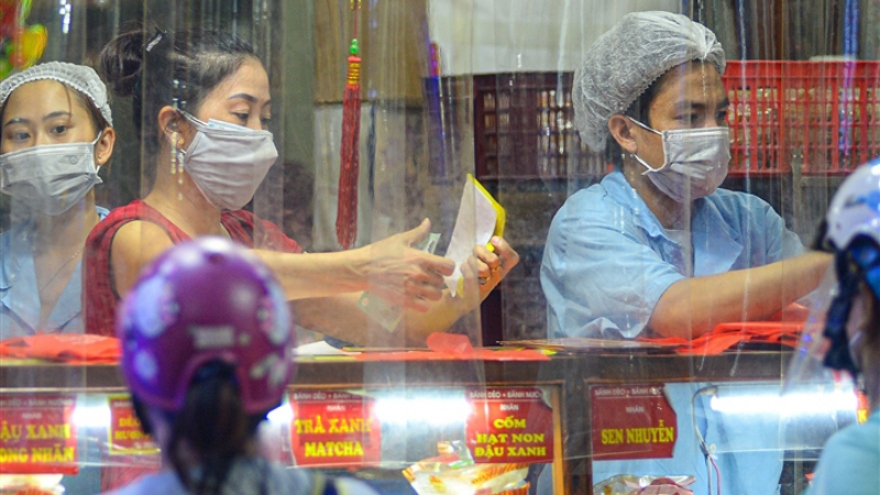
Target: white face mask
50,178
694,162
228,162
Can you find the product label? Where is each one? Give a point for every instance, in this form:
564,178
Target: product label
509,425
126,436
37,435
863,408
632,422
334,429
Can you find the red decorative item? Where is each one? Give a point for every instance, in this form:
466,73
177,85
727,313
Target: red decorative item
349,156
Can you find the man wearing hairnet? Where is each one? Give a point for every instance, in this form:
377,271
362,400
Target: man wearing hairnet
656,248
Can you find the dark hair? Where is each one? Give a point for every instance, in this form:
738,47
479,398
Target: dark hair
214,425
159,69
872,337
95,115
640,110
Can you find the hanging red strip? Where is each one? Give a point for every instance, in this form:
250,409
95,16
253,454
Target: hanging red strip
349,155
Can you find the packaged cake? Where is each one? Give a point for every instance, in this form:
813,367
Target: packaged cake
453,472
628,484
31,484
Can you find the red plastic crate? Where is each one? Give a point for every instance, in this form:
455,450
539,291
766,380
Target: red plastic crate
818,114
830,112
755,90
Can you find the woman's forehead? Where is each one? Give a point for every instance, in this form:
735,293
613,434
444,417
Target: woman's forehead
692,81
249,79
43,96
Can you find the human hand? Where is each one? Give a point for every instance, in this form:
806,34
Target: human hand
485,269
392,269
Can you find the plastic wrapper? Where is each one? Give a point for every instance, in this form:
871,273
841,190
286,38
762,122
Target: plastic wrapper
454,472
31,484
628,484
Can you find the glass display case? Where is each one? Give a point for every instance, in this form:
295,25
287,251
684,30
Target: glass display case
563,424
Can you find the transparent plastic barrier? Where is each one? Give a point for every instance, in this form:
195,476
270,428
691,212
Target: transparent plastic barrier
451,88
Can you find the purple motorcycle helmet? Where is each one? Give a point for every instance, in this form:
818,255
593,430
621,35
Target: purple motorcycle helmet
199,302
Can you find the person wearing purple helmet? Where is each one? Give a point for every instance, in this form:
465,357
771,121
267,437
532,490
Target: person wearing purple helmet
206,351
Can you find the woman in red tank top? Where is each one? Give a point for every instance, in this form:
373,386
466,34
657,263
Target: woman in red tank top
204,109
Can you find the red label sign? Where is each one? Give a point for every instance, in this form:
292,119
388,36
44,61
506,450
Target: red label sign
37,435
509,425
632,422
333,429
126,435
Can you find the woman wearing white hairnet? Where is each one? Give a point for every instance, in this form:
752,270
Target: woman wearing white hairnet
57,132
657,249
656,246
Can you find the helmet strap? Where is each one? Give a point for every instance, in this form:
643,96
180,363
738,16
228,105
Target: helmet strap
860,262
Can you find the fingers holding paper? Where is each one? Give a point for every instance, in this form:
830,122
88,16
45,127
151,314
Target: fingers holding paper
485,269
494,266
471,291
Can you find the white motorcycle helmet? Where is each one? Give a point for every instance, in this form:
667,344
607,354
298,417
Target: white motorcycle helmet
851,231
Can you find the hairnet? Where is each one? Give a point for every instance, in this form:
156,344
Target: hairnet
623,63
79,77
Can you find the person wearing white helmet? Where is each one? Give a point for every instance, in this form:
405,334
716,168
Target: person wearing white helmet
848,337
56,133
656,248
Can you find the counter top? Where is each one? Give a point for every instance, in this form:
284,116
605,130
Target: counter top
346,372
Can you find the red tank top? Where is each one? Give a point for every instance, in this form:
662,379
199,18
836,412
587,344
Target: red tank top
99,298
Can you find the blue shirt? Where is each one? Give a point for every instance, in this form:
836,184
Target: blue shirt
608,259
607,262
19,296
746,446
850,461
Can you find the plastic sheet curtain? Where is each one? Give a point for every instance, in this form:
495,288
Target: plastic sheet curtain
32,32
798,123
801,94
416,145
483,87
523,55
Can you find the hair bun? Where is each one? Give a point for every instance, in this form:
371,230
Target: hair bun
122,60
